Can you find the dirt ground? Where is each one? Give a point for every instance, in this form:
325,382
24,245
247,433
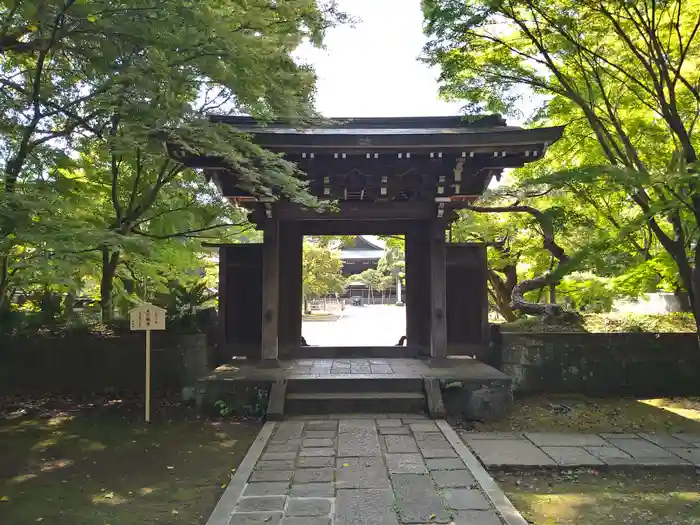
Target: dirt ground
589,497
99,467
585,414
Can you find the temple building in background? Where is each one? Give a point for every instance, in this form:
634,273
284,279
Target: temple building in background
362,253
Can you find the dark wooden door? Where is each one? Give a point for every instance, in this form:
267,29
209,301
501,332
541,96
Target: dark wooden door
467,300
240,300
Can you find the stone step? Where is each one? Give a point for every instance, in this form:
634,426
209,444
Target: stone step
340,384
348,402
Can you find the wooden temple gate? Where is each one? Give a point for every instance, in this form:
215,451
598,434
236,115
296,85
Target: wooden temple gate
389,176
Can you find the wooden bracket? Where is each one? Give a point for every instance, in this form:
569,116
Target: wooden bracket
440,210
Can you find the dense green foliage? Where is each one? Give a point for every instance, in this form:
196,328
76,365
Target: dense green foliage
620,189
605,323
321,271
97,95
90,93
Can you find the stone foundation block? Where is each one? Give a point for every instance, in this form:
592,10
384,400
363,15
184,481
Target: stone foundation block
484,403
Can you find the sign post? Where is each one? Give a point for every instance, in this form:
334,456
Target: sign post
147,317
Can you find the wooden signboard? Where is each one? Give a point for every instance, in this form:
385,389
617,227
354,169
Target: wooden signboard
147,317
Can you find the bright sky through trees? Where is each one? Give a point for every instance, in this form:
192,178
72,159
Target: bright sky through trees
372,69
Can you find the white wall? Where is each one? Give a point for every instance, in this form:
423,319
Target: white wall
651,303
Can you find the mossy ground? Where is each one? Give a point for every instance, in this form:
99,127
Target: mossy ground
589,497
585,414
109,467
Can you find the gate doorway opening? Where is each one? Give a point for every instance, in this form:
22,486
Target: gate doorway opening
353,291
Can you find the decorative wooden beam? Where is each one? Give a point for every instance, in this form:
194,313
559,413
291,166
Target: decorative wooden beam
354,210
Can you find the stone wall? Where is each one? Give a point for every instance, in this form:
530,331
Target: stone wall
82,364
639,364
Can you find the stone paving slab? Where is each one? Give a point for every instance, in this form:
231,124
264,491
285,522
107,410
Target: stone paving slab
400,444
664,440
572,456
641,449
476,517
466,499
542,439
607,452
504,452
365,507
417,501
693,439
688,454
547,449
346,472
493,435
405,464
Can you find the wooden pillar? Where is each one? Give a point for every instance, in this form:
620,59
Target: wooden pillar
270,306
418,287
438,290
221,353
291,245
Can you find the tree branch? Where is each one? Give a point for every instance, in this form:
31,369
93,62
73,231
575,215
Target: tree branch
549,243
189,232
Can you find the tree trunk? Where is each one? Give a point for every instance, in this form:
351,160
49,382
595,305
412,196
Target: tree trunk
695,304
689,277
68,305
4,286
504,308
49,306
110,261
502,293
520,303
549,243
683,299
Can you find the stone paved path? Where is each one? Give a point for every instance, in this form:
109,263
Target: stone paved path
514,449
385,470
370,325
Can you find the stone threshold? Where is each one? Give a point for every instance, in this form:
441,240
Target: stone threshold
547,449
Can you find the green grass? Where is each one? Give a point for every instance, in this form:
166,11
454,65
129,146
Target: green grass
604,498
113,469
608,323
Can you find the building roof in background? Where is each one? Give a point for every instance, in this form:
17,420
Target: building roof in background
364,247
372,241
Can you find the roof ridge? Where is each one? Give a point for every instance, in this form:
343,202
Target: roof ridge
449,121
